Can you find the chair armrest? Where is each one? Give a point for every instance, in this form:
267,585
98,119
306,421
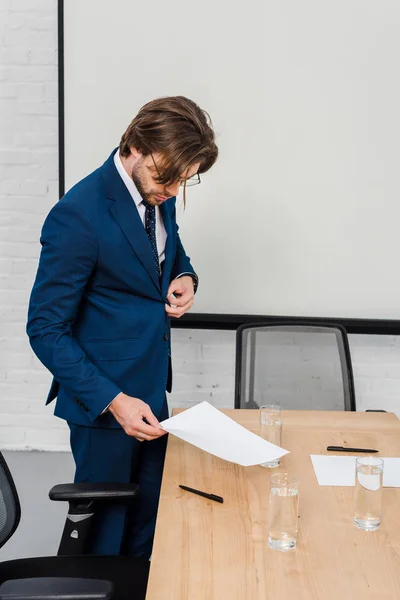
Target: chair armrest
56,588
93,492
84,500
375,410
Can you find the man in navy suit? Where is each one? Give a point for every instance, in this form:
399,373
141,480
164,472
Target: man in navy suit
112,273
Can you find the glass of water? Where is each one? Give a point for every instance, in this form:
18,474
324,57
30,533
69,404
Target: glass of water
271,428
283,512
368,493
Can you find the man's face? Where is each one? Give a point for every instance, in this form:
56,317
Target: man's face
144,174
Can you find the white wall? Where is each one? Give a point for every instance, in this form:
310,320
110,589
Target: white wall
305,108
203,360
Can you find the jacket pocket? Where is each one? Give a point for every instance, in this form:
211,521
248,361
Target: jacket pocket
112,349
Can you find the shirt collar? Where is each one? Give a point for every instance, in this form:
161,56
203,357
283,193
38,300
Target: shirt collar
132,189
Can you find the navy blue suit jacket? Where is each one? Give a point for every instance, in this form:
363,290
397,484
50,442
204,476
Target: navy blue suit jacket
97,315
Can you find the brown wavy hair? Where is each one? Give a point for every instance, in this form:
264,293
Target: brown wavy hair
179,130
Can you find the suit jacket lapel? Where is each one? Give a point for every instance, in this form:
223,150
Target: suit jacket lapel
167,266
125,213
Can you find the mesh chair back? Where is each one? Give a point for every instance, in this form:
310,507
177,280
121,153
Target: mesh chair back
10,510
297,366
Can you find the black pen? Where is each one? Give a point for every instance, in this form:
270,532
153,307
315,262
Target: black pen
204,494
343,449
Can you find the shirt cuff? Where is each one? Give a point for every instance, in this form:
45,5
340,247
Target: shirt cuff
108,405
193,276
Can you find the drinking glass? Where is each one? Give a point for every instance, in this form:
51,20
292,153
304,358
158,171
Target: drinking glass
271,429
283,512
368,493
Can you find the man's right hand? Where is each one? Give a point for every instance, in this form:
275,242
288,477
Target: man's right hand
130,412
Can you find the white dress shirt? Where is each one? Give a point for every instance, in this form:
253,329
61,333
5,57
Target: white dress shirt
161,234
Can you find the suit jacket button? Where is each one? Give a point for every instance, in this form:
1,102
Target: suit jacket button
166,337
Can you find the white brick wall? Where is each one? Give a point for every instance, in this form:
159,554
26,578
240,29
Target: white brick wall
203,360
28,188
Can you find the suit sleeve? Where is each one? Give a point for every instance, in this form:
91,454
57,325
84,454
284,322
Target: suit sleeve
67,260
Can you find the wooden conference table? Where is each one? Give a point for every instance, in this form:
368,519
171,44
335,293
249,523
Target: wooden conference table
209,551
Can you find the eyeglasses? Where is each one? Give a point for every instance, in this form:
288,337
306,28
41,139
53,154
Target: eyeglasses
194,180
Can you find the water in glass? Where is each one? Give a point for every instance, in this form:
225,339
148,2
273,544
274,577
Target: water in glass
271,429
283,514
368,493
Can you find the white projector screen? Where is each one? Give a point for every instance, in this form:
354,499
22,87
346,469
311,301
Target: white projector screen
301,214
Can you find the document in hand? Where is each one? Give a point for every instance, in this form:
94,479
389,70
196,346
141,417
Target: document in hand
211,430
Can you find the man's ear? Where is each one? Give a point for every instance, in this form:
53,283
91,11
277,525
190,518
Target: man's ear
135,153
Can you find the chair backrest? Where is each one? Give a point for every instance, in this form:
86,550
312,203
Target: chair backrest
296,365
10,510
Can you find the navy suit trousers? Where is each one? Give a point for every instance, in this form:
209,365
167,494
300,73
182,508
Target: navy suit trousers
110,455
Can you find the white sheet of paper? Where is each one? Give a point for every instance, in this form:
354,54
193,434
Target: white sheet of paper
340,470
211,430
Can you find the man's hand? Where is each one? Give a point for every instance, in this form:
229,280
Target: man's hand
130,412
182,298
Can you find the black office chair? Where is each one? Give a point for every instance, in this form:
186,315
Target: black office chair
295,364
70,575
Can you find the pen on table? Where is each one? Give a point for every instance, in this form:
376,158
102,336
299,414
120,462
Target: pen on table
343,449
204,494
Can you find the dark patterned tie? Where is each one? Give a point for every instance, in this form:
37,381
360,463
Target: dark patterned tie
150,226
